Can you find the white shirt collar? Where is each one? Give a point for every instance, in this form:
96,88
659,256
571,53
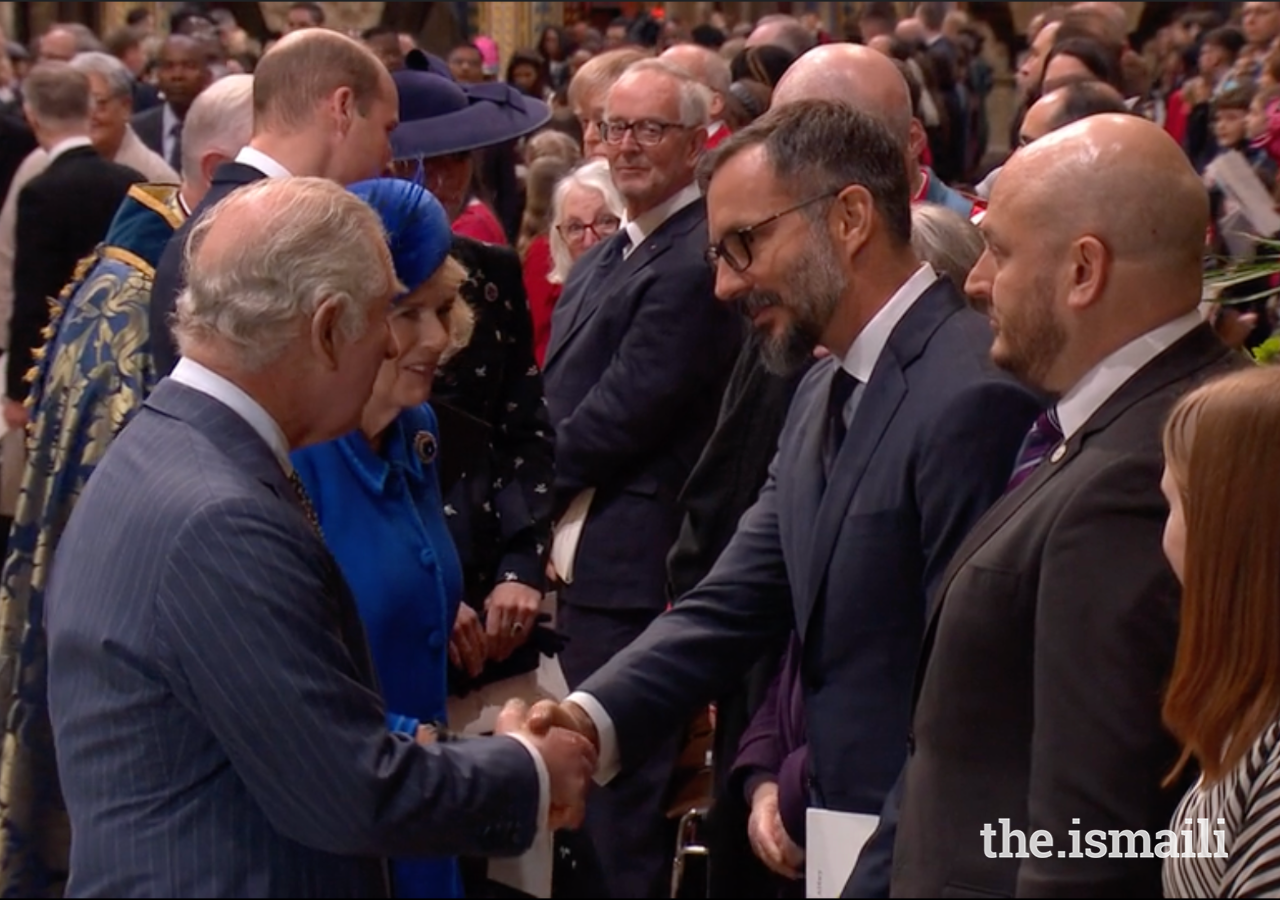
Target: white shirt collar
714,128
645,224
1103,380
66,144
208,382
169,118
265,164
862,357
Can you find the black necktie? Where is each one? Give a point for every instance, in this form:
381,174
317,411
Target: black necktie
842,387
175,153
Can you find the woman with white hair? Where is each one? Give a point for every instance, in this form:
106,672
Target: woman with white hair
585,209
945,240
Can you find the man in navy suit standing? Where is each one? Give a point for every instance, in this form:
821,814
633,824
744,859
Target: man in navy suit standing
217,719
639,356
894,446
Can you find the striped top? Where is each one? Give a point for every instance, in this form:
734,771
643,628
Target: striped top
1247,801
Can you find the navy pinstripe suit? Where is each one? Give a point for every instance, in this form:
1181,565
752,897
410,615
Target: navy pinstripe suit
218,728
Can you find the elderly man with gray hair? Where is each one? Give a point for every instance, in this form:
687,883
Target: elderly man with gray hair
639,356
94,374
712,71
218,722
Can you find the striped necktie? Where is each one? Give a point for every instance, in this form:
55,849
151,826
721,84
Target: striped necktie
1044,435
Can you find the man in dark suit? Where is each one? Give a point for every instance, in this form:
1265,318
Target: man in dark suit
638,359
311,86
183,73
62,213
1038,698
16,143
893,447
216,712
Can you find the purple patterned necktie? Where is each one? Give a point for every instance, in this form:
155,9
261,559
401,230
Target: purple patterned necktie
1043,437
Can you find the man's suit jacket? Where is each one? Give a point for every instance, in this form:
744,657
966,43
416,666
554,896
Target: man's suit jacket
1045,663
169,274
62,215
16,142
932,444
639,356
214,705
149,124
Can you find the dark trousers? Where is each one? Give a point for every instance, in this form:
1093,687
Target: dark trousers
633,840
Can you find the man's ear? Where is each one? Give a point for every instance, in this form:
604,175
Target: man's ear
325,337
1090,263
855,212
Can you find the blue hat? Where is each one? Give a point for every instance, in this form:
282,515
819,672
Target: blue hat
418,231
439,116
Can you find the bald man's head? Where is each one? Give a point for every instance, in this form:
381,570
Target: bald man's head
707,67
1095,237
1069,103
1120,177
850,73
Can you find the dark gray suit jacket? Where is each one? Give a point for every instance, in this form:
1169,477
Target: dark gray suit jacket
214,706
639,356
1044,666
930,448
149,124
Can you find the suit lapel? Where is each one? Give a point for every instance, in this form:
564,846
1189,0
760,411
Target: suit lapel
882,396
606,271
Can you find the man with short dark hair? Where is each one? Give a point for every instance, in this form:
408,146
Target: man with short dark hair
304,15
1067,104
466,64
184,73
893,447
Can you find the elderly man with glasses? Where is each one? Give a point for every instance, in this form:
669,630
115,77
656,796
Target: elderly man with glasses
639,355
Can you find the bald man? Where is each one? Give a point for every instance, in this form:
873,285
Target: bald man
710,69
1038,698
870,82
781,31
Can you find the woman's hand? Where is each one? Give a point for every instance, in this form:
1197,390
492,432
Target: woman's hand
468,648
510,612
769,839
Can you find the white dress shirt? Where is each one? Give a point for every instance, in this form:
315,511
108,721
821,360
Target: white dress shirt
860,362
645,224
210,383
1107,377
200,378
265,164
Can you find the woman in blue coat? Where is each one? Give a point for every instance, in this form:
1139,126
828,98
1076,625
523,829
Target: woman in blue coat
377,495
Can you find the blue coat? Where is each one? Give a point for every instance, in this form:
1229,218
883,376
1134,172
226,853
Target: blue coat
383,518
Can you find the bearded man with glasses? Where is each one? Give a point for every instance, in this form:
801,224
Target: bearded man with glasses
639,355
893,447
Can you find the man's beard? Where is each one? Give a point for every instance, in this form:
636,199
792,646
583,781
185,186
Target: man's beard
1031,340
817,285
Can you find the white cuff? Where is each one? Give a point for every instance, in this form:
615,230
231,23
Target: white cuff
609,761
544,781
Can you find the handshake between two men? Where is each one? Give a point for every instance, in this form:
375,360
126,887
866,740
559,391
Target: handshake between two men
567,741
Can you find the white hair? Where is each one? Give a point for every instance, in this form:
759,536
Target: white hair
220,120
695,98
298,242
945,240
591,176
117,76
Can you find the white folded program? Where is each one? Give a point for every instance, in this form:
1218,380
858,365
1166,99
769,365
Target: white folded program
568,531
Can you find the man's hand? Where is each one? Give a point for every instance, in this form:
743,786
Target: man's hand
15,414
570,760
510,613
468,648
547,714
769,839
426,735
1232,326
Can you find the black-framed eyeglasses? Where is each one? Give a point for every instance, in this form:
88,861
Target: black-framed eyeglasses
735,247
648,132
575,232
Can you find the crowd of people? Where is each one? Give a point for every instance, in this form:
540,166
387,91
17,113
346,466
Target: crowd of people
424,484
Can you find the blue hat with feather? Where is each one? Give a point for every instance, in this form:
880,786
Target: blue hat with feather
418,231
